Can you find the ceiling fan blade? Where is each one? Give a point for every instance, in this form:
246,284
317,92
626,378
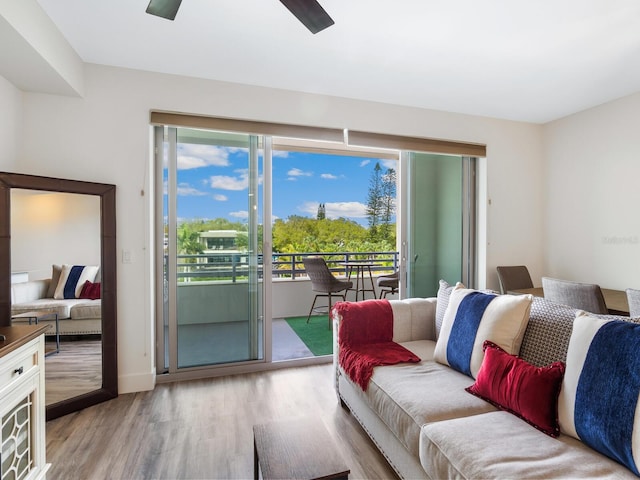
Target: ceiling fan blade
164,8
310,13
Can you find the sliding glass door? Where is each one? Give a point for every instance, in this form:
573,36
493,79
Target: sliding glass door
216,297
439,234
212,299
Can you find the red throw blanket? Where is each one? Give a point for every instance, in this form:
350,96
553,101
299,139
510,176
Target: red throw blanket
365,343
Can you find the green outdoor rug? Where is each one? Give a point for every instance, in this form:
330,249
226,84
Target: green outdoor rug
316,334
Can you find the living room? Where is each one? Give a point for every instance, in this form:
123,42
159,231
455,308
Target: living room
558,195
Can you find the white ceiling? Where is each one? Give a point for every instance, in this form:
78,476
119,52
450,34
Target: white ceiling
529,60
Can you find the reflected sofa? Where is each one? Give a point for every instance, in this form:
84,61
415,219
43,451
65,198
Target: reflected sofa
76,316
427,426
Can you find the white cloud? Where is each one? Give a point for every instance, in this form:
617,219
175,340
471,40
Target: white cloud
225,182
220,198
387,163
296,172
346,209
328,176
186,190
196,156
364,163
240,214
336,209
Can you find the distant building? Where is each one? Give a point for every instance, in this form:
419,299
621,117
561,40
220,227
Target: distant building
223,246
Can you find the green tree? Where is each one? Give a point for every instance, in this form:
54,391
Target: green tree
301,234
189,241
387,203
374,204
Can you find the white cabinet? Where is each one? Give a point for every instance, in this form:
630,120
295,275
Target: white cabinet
22,406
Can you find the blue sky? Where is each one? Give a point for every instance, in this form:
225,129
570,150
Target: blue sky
213,183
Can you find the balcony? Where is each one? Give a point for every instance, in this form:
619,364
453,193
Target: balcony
212,289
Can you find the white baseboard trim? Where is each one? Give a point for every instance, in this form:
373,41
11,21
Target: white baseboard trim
140,382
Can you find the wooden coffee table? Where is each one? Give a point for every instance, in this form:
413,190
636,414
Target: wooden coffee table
300,449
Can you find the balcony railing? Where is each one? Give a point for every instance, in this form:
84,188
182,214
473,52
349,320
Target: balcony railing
233,267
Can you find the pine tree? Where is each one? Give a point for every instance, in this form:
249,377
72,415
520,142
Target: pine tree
373,200
321,212
388,201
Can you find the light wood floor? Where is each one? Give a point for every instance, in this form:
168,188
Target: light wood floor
75,370
202,429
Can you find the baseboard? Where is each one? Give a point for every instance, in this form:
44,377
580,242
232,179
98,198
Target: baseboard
137,382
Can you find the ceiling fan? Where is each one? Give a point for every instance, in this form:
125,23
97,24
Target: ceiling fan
309,12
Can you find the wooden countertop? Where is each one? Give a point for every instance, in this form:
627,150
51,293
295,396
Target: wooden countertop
18,335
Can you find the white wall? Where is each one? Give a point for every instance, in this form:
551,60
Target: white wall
10,124
53,228
592,168
105,137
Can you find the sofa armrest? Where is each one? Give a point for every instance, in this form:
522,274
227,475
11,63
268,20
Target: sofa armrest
413,319
29,291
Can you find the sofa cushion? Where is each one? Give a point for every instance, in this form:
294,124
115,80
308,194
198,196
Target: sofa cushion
28,291
546,338
444,292
413,319
55,278
473,317
90,290
500,445
511,384
599,397
61,307
86,309
72,278
406,396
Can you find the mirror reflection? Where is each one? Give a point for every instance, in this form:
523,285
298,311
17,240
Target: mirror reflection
55,279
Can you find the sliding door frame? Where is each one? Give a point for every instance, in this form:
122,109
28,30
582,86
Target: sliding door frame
350,143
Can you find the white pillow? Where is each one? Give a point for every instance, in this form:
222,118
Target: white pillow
598,402
473,317
72,278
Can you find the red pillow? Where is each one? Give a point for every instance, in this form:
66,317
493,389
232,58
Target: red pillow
90,291
529,392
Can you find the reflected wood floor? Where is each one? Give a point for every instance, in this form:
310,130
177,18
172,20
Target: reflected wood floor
202,429
76,369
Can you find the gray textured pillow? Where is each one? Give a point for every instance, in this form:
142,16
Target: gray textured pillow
546,339
55,278
444,292
547,336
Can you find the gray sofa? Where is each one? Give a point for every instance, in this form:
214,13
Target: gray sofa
427,426
76,316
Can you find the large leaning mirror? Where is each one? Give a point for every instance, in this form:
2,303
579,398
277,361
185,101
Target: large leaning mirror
58,262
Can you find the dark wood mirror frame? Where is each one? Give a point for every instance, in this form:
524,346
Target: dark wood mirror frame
107,194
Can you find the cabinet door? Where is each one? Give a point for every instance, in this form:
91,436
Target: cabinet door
22,434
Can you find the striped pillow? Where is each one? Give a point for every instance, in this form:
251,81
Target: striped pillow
599,397
473,317
72,278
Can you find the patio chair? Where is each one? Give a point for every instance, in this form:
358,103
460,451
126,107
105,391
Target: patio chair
585,296
513,278
324,283
633,297
388,284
